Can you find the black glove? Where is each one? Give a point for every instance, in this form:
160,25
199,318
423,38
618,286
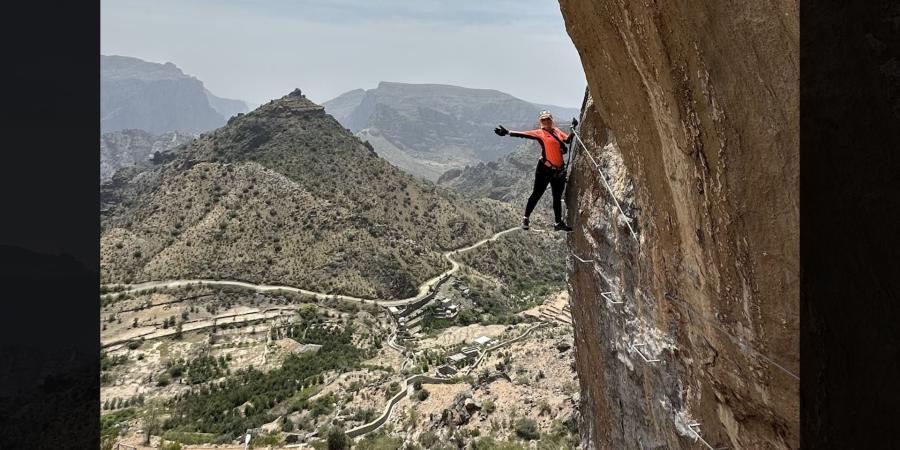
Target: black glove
501,131
574,122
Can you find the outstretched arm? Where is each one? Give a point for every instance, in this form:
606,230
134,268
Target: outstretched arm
532,134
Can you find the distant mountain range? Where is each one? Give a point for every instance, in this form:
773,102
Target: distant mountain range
427,129
285,195
126,148
158,98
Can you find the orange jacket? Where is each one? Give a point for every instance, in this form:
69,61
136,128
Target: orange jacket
550,148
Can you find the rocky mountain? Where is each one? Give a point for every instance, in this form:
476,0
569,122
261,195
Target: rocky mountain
227,107
427,129
694,122
285,195
157,98
125,148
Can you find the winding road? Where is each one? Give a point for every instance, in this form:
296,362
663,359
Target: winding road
423,289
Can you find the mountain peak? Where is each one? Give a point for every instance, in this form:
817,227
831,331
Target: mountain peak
291,104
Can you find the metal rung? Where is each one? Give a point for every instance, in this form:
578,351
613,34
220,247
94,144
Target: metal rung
581,259
695,427
647,360
607,296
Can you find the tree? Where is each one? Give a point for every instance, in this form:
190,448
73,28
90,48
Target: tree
527,429
337,439
178,330
151,423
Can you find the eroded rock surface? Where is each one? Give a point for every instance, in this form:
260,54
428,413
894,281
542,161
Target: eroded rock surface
694,124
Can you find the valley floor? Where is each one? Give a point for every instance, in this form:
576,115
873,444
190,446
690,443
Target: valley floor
165,342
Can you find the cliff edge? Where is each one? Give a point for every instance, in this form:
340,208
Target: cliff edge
685,296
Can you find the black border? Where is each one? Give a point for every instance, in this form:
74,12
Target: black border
49,252
850,149
850,146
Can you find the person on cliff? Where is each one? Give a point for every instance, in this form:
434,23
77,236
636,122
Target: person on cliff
551,169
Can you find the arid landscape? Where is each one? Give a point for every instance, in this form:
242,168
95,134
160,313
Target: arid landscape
169,353
359,274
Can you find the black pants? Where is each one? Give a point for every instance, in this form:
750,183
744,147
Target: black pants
543,176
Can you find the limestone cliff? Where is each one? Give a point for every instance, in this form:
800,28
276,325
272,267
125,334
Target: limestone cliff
694,125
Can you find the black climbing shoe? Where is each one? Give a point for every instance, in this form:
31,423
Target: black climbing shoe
561,226
525,223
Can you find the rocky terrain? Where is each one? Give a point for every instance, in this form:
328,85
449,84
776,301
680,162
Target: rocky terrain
693,122
427,129
201,365
285,195
126,148
157,98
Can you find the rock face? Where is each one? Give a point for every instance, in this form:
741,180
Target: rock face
125,148
460,411
285,195
694,123
157,98
427,129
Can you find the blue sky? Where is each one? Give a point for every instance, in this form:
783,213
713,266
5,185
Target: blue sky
259,50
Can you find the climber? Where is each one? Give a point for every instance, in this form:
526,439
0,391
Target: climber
551,169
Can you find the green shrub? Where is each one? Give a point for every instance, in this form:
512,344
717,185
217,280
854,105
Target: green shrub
526,429
379,442
428,439
265,440
187,438
489,443
321,406
171,446
393,388
544,407
109,423
337,439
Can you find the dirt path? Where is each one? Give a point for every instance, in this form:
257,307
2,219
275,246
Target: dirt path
424,288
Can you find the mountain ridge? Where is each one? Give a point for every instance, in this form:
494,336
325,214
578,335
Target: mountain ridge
427,129
284,193
158,98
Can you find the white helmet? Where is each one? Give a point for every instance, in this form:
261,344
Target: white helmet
545,115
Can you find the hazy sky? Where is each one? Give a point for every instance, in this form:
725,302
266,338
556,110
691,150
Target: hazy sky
260,50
